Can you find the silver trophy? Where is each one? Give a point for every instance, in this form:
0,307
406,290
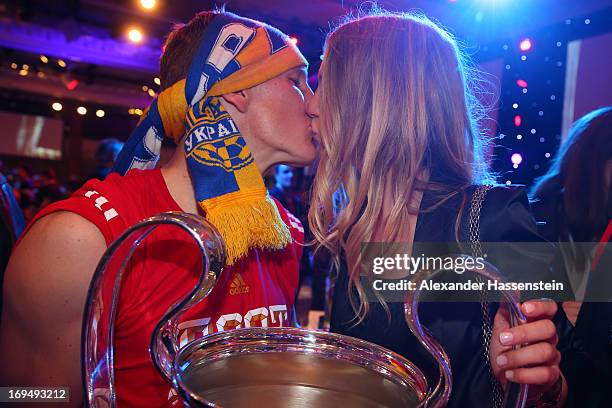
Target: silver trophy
271,367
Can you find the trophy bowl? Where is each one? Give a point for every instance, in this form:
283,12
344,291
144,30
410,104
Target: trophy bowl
257,366
292,367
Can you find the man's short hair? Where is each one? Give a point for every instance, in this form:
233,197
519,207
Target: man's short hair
181,45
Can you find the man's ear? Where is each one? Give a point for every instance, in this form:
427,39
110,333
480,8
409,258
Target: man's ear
239,100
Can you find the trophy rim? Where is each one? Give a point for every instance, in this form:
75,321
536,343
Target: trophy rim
323,344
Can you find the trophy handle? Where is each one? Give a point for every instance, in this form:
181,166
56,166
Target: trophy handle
97,349
515,395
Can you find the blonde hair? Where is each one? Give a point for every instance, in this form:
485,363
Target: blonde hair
395,111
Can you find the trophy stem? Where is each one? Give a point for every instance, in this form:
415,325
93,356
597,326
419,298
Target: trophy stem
103,298
515,395
440,395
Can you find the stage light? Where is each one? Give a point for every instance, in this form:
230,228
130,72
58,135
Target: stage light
61,63
100,113
44,59
157,81
25,67
547,155
40,74
518,120
519,137
131,111
145,88
522,83
516,159
13,65
293,40
152,93
492,3
515,105
81,110
56,106
525,45
148,4
533,131
71,86
135,35
23,72
138,111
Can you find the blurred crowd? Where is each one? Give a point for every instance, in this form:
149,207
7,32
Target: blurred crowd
33,190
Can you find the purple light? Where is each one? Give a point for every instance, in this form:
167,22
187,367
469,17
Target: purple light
516,158
518,120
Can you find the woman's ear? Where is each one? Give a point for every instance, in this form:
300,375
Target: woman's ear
239,100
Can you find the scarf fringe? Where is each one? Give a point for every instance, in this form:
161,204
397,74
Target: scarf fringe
249,224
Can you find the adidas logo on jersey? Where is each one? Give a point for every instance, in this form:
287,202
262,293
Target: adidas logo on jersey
238,285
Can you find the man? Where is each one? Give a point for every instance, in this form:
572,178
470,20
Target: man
106,154
283,177
234,100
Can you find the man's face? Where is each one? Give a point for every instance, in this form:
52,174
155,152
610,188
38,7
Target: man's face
284,175
278,125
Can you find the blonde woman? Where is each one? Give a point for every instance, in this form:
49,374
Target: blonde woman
396,122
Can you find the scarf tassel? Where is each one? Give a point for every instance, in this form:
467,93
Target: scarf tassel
244,225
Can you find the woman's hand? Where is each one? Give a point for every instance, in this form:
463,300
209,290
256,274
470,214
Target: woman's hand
537,361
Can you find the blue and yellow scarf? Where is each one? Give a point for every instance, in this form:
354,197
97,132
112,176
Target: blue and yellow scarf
235,54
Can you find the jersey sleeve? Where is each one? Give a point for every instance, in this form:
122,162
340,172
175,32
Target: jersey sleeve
91,205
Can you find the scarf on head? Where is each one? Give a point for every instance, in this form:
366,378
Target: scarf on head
235,54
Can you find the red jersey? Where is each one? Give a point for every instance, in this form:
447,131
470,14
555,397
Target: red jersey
257,290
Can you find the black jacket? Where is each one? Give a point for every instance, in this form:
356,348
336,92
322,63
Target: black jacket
505,217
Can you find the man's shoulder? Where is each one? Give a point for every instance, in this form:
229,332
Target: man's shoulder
137,191
60,247
111,205
132,185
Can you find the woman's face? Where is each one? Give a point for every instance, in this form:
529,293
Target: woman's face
312,109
